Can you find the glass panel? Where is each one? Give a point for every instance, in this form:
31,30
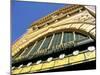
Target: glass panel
56,40
36,47
79,37
26,51
65,38
46,42
82,37
68,37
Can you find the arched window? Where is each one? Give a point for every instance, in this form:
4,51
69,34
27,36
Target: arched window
52,40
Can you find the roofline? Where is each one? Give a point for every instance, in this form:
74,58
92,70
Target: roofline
66,8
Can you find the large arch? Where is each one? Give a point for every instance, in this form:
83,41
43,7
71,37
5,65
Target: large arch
83,27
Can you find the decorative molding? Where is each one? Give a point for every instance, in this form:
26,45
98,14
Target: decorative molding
69,60
85,28
71,22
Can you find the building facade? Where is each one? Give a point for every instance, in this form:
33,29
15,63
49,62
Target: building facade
61,41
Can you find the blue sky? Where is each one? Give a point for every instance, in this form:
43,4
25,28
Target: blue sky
23,14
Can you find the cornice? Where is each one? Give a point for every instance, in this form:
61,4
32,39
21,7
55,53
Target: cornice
67,10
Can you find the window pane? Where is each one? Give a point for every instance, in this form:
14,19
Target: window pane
26,51
46,42
36,47
57,39
68,37
79,37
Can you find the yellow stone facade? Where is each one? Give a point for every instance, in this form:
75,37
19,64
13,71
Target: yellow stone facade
81,21
57,63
